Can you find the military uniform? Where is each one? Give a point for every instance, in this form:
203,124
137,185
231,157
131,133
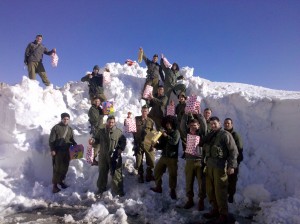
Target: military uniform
170,80
158,106
220,153
154,71
143,126
186,118
194,168
61,145
96,120
232,179
180,111
95,86
109,141
33,59
168,159
208,126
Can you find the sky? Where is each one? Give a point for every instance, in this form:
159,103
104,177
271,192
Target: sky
268,188
254,42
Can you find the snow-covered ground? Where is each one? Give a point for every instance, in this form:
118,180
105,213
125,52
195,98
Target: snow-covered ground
268,121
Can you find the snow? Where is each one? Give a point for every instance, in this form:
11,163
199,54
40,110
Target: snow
268,121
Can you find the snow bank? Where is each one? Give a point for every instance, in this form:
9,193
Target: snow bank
267,120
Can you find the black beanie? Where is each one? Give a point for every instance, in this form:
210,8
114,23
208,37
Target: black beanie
96,67
63,115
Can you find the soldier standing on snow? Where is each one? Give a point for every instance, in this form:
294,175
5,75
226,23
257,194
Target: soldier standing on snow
180,111
95,81
232,179
170,79
168,143
34,57
221,160
153,72
112,144
60,140
194,167
96,120
158,104
144,125
184,127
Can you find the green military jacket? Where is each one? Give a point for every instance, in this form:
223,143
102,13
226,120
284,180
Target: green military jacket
110,140
220,149
158,104
179,111
95,83
34,52
238,141
184,125
169,144
170,75
143,127
154,70
95,117
56,140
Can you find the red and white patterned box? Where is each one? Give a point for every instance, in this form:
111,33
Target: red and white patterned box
130,125
54,60
192,105
89,156
192,142
171,110
147,92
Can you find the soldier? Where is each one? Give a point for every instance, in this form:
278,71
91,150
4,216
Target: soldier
169,157
194,167
170,79
180,107
184,126
232,179
95,80
207,114
144,125
158,102
154,71
112,143
221,154
34,57
60,140
96,120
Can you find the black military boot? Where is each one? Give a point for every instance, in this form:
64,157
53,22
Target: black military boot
212,214
230,198
149,174
201,204
149,177
63,185
141,178
173,194
223,219
156,189
55,189
189,204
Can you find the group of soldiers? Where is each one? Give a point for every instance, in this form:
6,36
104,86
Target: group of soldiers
213,161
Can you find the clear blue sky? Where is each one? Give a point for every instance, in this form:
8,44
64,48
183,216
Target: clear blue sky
255,42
